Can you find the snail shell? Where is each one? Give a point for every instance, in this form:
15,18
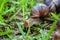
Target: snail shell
48,2
40,10
57,2
57,35
53,5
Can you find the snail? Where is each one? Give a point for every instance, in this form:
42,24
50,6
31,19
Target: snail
57,35
57,32
38,11
53,5
58,24
48,2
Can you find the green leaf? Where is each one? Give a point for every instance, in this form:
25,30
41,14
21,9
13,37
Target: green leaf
55,16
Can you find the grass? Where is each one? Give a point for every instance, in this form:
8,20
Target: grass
51,30
9,9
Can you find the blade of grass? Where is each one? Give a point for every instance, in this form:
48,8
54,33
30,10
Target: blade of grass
1,9
2,23
10,10
2,5
5,33
55,16
14,2
14,15
1,19
51,30
20,29
27,34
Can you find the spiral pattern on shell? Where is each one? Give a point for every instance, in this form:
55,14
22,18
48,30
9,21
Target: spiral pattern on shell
40,10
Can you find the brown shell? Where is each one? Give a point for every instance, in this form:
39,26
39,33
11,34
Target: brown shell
40,10
58,25
57,35
57,2
53,5
48,2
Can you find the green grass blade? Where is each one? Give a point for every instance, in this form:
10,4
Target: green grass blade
2,5
12,17
10,10
20,29
55,16
51,30
5,33
1,9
